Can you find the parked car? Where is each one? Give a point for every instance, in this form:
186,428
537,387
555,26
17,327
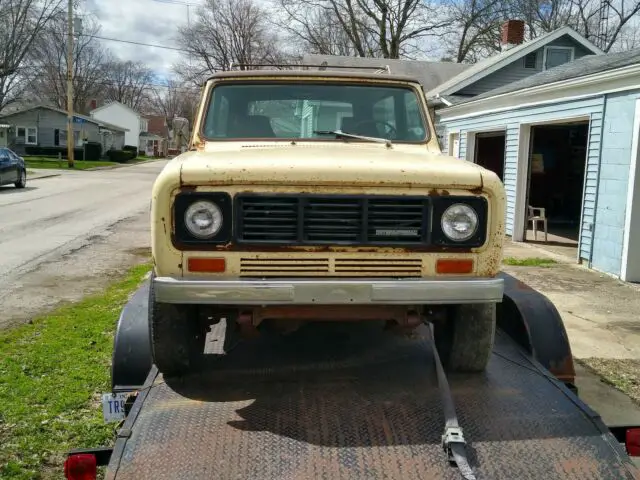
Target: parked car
12,169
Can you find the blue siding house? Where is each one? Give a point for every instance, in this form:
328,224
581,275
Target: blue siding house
567,141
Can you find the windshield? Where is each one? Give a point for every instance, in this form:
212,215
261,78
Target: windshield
313,111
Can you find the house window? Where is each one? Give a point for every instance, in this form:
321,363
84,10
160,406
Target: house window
554,56
530,60
21,133
56,137
32,136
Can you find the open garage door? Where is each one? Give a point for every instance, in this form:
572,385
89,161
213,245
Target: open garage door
557,165
489,151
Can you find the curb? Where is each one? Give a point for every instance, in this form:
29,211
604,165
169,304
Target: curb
123,165
39,177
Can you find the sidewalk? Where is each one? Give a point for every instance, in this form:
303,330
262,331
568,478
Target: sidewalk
601,316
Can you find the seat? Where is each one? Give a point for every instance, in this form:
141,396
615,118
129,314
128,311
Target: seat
251,126
534,216
359,126
260,126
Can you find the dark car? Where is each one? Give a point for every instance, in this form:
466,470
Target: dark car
12,169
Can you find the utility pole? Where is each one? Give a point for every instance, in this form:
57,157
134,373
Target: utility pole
70,139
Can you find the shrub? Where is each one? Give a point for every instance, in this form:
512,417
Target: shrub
120,156
131,148
92,151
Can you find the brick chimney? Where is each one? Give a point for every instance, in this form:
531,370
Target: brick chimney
511,34
93,105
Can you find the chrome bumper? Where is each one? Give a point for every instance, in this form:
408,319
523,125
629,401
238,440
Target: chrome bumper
328,292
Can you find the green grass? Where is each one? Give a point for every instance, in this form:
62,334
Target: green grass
49,162
529,262
51,375
623,374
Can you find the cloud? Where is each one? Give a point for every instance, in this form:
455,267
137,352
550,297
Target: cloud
145,21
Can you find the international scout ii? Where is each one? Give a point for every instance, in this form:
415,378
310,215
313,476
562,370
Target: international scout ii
318,195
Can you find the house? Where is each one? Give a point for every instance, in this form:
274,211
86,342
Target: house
155,142
518,60
45,126
566,140
117,113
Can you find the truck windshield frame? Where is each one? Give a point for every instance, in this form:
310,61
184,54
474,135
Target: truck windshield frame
285,110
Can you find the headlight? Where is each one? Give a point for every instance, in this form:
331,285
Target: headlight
203,219
459,222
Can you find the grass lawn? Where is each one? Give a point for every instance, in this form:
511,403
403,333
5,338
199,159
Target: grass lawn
51,375
623,374
48,162
529,262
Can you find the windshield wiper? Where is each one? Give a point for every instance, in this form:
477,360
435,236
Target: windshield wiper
340,133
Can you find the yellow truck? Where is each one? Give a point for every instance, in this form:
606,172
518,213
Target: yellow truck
322,195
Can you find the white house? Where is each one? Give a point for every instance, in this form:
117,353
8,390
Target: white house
119,114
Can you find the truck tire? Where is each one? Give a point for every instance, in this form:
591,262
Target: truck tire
177,339
465,338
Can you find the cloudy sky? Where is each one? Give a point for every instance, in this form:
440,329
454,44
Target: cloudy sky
147,21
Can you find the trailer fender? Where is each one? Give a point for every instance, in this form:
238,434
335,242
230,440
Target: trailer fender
532,321
132,358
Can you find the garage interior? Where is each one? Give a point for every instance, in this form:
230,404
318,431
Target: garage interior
490,151
557,165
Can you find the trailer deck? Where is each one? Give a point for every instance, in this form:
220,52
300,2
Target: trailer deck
350,401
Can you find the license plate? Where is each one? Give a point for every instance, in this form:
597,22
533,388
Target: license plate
113,406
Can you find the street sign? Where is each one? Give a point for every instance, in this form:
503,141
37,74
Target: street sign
78,120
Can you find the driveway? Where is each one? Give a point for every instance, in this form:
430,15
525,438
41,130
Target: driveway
64,237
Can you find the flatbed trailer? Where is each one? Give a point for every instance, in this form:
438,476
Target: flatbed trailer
338,401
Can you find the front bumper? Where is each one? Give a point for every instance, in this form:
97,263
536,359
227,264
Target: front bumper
328,292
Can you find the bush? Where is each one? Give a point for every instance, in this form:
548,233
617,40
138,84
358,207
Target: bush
120,156
93,151
131,148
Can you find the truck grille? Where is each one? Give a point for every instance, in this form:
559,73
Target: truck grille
277,266
334,220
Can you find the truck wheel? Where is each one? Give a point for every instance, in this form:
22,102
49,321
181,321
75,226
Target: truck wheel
465,339
177,340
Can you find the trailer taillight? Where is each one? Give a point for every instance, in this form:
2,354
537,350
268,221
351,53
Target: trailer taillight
81,466
632,442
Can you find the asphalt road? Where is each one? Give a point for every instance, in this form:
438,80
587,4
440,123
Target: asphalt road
59,232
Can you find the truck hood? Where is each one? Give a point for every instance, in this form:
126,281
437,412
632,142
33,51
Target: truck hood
328,164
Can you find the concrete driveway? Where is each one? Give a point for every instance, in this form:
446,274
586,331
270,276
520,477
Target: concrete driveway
65,236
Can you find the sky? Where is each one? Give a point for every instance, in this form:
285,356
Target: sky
146,21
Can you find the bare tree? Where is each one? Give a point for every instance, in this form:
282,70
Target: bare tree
90,62
601,22
226,32
378,28
475,29
21,23
128,82
175,99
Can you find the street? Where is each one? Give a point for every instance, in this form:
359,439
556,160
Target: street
74,212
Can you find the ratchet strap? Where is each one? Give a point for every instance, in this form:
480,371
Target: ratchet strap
453,441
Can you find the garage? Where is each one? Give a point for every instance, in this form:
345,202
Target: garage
569,139
557,165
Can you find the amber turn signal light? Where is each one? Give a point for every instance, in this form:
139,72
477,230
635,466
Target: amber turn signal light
208,265
448,265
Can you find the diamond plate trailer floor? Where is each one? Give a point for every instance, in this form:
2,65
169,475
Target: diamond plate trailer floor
352,402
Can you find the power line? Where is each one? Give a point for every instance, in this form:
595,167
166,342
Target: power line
131,42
